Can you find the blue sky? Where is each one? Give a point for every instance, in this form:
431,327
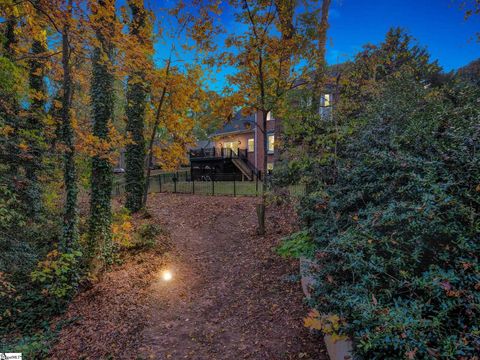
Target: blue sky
438,25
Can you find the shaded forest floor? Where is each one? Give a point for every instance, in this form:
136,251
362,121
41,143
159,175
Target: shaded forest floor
231,296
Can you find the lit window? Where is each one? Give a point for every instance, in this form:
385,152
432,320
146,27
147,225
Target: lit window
327,100
251,145
325,109
271,143
269,116
231,146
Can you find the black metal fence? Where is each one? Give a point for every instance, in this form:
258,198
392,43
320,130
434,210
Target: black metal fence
217,184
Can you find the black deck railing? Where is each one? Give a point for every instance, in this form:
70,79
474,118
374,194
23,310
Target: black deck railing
220,153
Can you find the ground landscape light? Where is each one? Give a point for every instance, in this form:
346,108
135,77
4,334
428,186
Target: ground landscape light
167,275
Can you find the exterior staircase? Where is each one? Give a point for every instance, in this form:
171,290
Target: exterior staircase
226,161
242,165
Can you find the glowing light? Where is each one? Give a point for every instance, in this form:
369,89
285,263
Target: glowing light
167,275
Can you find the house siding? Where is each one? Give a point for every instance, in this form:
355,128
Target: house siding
256,157
271,129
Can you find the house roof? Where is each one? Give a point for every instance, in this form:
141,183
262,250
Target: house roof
239,124
201,144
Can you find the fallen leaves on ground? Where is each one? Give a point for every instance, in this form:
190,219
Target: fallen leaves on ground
231,296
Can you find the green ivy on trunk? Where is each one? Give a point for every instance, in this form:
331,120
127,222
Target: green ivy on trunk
136,102
70,218
102,94
34,129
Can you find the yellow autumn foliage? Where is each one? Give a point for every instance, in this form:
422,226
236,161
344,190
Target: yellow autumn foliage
327,324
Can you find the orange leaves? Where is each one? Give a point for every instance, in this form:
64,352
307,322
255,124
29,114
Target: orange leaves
177,99
93,146
6,130
37,95
137,44
313,320
171,155
449,290
102,10
122,230
328,324
23,147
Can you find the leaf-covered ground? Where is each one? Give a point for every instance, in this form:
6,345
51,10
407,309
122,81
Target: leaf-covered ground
231,296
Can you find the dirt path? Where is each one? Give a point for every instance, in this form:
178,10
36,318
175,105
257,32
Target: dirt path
231,296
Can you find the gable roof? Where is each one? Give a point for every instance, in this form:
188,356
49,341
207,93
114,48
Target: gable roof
201,144
239,124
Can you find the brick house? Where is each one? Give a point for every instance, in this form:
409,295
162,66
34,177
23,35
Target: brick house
236,150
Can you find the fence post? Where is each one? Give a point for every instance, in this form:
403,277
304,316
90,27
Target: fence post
193,185
160,183
174,185
234,187
213,185
256,185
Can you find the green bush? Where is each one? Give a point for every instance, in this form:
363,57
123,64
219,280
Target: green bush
147,235
58,274
38,345
398,234
25,306
297,245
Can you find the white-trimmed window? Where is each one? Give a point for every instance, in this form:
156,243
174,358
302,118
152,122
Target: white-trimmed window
232,145
327,100
326,106
271,143
269,116
251,145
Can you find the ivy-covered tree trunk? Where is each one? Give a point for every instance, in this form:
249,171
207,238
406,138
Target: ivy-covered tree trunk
10,109
35,125
70,218
136,102
102,95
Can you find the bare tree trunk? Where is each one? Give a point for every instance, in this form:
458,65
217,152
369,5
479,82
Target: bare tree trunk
322,32
152,138
321,61
285,10
261,207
